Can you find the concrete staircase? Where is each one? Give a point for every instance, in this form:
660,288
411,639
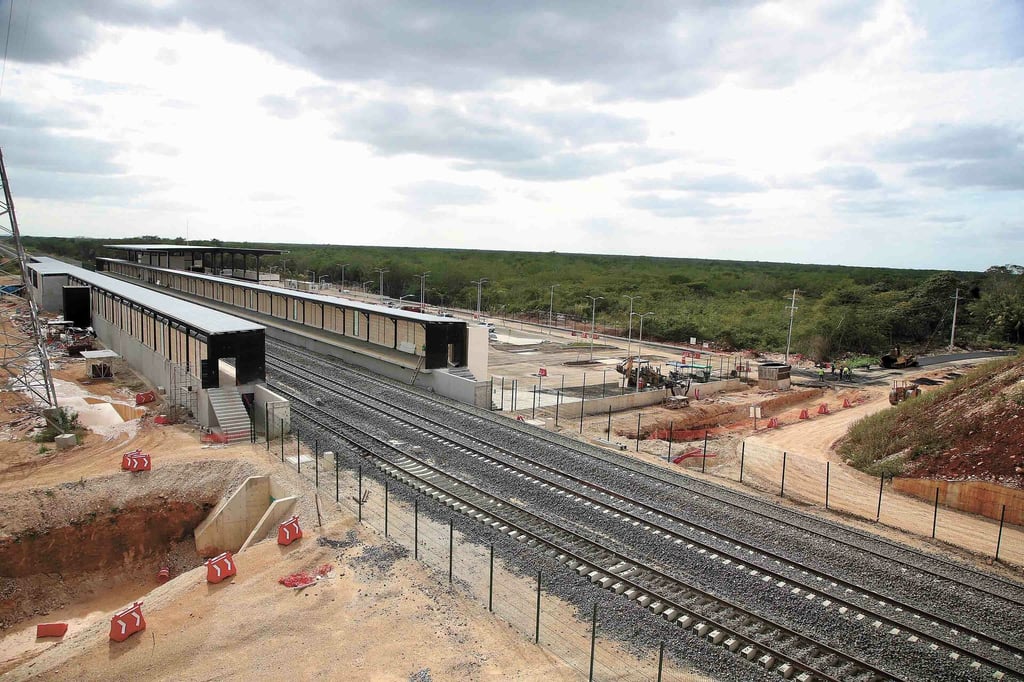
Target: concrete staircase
462,372
230,412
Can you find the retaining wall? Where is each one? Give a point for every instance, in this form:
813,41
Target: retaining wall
976,497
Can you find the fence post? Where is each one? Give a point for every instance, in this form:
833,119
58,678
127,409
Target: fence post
492,391
298,454
558,402
935,515
337,466
593,642
583,400
282,439
705,442
638,415
266,422
360,501
385,506
828,471
536,629
661,657
451,547
515,392
609,423
501,405
881,483
416,527
490,583
533,414
704,457
999,540
297,441
670,428
743,455
316,462
782,490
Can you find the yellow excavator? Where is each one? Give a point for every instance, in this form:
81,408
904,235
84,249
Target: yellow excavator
894,359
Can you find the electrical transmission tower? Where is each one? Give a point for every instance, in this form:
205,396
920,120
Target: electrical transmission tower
23,355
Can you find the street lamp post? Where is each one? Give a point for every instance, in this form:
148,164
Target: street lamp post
343,266
639,348
593,316
629,342
551,305
369,281
423,289
479,293
381,271
322,278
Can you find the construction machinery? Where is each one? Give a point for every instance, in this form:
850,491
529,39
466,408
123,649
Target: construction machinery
902,390
636,369
894,359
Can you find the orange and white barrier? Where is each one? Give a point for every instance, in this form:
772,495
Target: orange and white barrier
127,622
847,403
773,423
289,531
220,567
163,575
804,415
823,408
136,461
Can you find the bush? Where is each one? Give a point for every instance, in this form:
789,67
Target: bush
65,421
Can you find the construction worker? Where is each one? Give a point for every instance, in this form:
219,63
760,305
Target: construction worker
821,374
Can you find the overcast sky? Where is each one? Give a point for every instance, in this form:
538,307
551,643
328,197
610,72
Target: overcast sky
858,133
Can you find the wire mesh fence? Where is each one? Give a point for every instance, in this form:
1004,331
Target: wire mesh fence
474,559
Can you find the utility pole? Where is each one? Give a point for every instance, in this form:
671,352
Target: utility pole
952,334
551,305
344,265
593,315
629,342
789,338
639,347
479,292
423,290
381,272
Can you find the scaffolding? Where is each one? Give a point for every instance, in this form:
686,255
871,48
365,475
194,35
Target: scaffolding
23,356
182,394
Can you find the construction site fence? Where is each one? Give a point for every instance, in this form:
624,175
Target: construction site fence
450,547
810,480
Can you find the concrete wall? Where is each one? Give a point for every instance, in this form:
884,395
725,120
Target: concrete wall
476,393
278,409
50,295
478,347
233,520
629,401
143,360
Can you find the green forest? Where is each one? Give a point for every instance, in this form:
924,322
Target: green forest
735,305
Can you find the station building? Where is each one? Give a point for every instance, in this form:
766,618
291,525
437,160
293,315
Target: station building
442,354
204,361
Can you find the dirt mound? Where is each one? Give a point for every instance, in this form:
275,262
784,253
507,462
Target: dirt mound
970,428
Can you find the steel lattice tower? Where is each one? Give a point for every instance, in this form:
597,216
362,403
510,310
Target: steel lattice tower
23,355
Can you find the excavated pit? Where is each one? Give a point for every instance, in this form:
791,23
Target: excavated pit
79,541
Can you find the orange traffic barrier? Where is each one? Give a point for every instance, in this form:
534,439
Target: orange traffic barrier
289,531
804,415
135,461
162,419
846,402
51,629
127,622
773,423
220,567
143,398
163,575
823,408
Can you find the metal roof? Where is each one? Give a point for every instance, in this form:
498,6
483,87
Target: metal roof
192,314
189,247
319,298
47,266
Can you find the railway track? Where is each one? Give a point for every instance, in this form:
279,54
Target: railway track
977,652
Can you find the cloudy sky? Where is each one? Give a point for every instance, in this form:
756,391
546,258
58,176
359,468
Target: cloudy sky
859,133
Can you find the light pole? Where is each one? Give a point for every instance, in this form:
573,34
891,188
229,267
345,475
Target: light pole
423,289
344,265
322,278
629,342
551,305
405,296
381,271
593,316
312,277
639,348
479,293
369,281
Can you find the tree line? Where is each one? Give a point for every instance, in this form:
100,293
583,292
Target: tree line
733,304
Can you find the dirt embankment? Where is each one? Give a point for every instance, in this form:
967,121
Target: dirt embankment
969,429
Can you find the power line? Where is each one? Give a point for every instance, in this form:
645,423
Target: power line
7,42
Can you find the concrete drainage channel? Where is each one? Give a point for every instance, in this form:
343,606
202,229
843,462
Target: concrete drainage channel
80,547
